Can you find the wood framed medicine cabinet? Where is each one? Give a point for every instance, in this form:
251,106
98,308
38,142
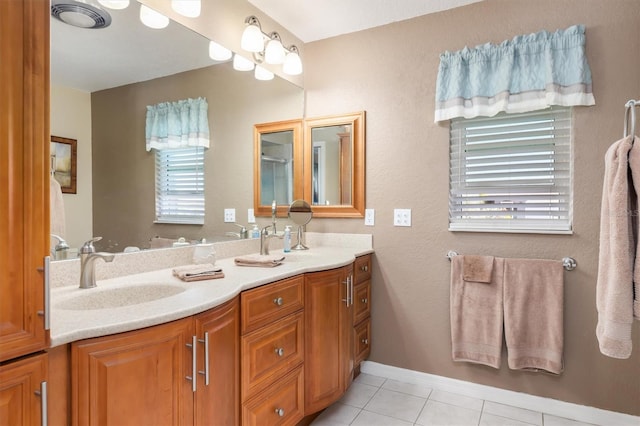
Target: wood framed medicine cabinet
326,166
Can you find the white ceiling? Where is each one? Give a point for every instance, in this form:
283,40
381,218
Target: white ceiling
312,20
128,52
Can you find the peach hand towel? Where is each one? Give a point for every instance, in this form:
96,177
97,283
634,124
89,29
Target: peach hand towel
476,316
614,288
259,260
477,268
634,165
205,271
533,314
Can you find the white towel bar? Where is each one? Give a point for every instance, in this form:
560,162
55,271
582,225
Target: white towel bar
568,263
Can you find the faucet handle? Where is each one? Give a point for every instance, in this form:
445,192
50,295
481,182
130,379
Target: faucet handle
88,247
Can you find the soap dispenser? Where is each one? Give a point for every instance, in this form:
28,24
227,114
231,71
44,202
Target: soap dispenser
287,239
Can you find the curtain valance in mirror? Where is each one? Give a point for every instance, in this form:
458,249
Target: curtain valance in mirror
180,124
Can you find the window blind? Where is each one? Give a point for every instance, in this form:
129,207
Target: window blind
180,186
512,173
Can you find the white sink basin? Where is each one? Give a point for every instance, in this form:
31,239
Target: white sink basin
106,298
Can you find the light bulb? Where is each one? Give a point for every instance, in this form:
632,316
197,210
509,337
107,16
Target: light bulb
242,64
152,19
218,52
114,4
292,63
274,52
262,74
252,40
188,8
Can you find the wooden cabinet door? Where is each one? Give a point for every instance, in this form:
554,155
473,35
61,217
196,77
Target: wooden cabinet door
21,391
134,378
24,159
218,402
328,331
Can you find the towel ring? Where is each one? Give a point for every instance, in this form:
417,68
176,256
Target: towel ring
630,115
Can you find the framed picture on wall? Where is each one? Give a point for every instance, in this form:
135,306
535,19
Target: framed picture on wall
63,156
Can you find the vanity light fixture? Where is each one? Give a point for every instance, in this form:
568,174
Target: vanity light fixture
263,74
188,8
241,63
273,52
218,52
152,19
115,4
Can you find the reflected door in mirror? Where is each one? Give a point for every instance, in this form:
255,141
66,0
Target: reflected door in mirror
331,165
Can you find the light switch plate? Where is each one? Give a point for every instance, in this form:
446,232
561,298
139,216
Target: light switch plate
402,217
251,218
230,215
369,217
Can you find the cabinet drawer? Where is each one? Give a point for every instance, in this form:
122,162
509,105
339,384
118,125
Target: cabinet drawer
263,305
362,268
361,301
281,404
270,352
362,341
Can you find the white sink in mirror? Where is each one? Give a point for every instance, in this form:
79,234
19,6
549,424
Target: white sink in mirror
116,297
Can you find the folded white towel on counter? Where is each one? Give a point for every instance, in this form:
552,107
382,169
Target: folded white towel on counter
205,271
259,260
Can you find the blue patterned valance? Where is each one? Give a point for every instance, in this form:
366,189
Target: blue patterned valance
527,73
178,124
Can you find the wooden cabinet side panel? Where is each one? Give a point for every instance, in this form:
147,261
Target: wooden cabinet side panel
134,378
19,382
60,385
219,402
24,130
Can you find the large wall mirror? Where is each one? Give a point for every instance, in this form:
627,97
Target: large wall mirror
325,166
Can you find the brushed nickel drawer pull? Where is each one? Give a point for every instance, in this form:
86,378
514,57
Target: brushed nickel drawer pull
206,372
278,301
194,368
280,412
365,341
364,300
364,268
279,351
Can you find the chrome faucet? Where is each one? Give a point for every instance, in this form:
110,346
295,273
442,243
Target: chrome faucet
274,210
264,240
243,234
88,256
61,249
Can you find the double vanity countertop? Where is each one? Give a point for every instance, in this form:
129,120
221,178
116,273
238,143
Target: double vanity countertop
125,303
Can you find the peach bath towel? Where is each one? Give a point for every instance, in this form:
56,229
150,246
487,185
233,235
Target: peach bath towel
476,316
477,268
533,314
614,289
634,165
205,271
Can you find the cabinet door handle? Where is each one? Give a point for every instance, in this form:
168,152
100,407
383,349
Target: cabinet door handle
47,290
365,341
364,268
279,351
206,358
280,412
42,393
364,300
194,368
346,292
350,280
278,301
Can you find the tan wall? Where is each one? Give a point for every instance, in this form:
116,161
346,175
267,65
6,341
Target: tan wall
123,184
391,73
71,118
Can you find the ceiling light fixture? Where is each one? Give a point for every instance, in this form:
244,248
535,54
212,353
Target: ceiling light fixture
263,74
188,8
273,52
152,19
218,52
241,63
115,4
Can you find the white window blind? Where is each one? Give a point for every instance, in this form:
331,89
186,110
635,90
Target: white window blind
180,186
511,173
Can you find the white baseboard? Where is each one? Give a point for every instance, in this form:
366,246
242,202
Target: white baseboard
554,407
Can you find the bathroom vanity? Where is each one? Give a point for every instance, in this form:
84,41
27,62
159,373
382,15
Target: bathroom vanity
260,346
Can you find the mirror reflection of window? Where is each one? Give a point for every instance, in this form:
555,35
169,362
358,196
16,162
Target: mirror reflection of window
276,165
331,165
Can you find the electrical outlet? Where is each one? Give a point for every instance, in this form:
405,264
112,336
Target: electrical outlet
369,217
402,217
251,218
230,215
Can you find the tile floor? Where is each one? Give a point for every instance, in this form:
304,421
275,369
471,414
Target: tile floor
373,401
